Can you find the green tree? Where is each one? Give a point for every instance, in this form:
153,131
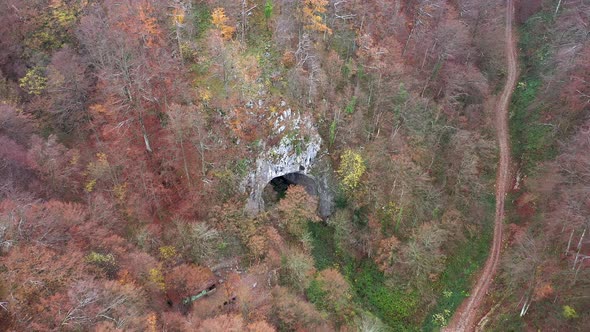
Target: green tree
268,9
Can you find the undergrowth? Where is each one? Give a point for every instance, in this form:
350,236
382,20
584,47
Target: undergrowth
532,140
394,306
455,282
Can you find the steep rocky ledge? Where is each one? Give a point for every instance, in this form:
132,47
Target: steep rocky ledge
297,157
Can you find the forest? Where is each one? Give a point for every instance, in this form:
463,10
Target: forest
131,130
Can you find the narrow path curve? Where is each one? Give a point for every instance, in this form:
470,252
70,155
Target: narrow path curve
466,315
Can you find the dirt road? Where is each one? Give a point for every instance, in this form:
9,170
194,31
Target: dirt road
467,314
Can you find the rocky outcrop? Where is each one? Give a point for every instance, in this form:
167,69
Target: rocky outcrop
297,157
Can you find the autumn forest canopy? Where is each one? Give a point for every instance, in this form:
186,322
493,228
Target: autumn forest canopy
131,132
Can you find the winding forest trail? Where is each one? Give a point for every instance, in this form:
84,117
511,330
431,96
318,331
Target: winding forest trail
466,316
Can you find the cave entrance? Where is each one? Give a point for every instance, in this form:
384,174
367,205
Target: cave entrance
276,189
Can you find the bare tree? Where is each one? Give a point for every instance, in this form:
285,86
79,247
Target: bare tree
139,74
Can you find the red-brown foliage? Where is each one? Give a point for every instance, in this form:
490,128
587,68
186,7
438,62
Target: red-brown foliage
187,280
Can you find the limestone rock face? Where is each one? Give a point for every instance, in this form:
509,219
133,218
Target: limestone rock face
296,157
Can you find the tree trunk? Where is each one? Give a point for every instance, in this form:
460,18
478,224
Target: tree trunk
569,242
244,18
146,140
557,9
188,177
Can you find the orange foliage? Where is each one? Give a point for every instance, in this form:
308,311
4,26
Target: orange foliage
219,19
289,59
543,291
257,245
385,253
292,313
337,292
276,245
299,205
223,323
34,273
141,24
125,277
48,223
296,209
312,12
186,280
247,125
260,326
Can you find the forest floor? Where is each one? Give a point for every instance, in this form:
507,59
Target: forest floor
465,318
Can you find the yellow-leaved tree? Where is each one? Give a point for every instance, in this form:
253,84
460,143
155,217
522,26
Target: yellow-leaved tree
34,82
219,19
311,14
352,167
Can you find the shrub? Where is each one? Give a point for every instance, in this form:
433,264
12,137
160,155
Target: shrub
569,312
297,270
167,252
290,313
323,251
268,7
105,262
34,82
157,278
351,106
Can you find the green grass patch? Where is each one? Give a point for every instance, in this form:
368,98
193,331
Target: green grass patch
507,322
201,18
351,106
324,251
455,282
316,295
532,141
394,306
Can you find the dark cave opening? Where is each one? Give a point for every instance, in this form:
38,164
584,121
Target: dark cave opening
277,187
280,185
